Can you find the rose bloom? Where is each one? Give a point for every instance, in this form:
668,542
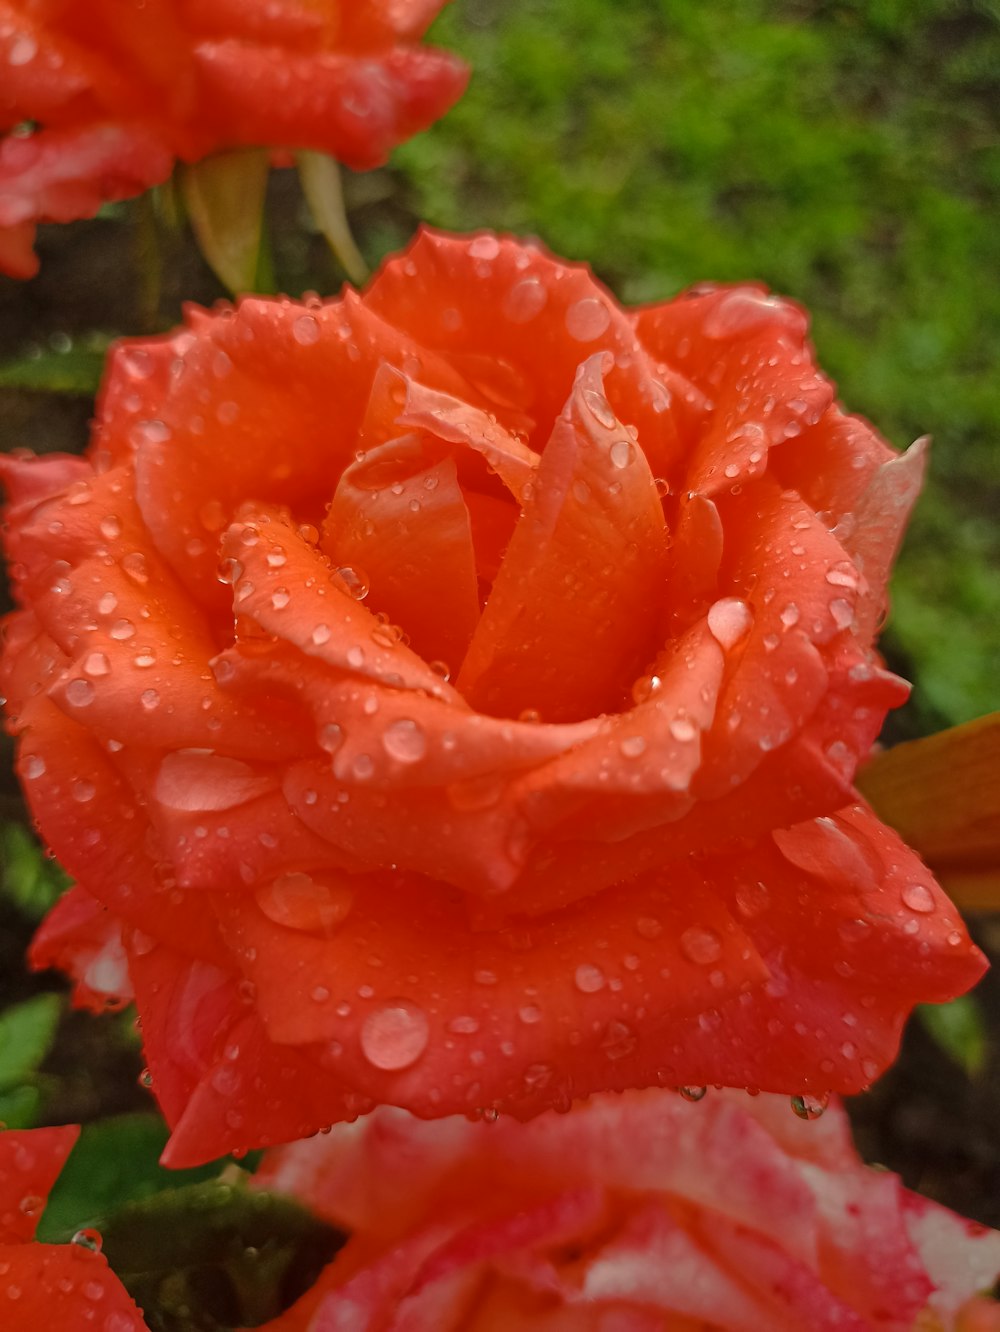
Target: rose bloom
449,697
637,1213
55,1287
115,92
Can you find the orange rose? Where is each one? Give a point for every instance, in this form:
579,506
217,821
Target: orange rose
455,694
121,90
637,1213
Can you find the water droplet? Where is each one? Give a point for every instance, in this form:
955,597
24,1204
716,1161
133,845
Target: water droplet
589,979
300,901
484,977
395,1036
321,634
525,300
587,319
331,737
790,615
648,927
530,1014
463,1025
22,50
404,740
645,687
484,247
693,1093
729,621
841,613
122,630
810,1107
305,330
600,408
621,453
918,897
83,791
355,581
146,1078
682,729
632,746
701,945
79,693
88,1239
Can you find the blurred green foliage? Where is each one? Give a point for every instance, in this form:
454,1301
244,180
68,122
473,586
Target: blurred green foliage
845,152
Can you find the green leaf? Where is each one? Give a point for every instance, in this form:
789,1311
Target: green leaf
26,1034
28,878
115,1161
224,195
19,1108
958,1028
214,1256
77,371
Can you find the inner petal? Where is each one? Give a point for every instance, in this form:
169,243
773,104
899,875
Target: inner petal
572,617
402,520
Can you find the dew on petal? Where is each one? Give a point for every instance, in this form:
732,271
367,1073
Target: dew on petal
587,319
404,740
701,945
394,1036
918,897
729,621
525,300
693,1093
589,979
810,1107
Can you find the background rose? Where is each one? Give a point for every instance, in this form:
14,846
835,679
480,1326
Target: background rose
618,846
59,1287
634,1213
118,92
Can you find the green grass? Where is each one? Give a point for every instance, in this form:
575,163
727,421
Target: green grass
845,153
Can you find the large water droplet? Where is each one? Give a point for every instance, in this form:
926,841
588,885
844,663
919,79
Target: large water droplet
88,1239
587,319
525,300
599,408
589,979
729,621
305,330
395,1036
355,581
701,945
79,693
693,1093
810,1107
301,901
918,897
404,740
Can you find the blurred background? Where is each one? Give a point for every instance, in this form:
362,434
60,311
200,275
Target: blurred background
845,153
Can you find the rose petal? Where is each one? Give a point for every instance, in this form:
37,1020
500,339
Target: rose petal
55,1285
551,313
30,1162
572,617
331,102
83,939
401,520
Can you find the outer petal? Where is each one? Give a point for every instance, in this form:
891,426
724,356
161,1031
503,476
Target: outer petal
356,110
30,1162
57,1286
62,175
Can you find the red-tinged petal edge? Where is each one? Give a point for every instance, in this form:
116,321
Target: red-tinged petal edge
729,1212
